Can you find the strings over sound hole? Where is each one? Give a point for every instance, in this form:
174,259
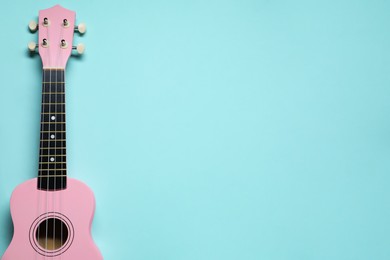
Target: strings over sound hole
52,234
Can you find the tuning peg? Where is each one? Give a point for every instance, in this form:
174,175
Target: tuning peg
32,46
33,26
80,48
81,28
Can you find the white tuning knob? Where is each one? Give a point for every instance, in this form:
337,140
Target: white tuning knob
80,48
32,46
33,26
81,28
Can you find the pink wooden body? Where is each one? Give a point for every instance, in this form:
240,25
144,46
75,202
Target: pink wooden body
76,203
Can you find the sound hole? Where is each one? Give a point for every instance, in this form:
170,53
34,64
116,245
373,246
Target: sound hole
52,234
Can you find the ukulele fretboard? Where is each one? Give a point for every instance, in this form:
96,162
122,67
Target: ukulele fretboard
52,154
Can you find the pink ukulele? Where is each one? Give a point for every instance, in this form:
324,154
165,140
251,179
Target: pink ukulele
52,214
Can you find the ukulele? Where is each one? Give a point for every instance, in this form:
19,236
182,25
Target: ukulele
52,214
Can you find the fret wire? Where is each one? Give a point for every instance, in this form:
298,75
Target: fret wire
52,155
46,156
52,176
49,113
53,131
51,163
53,103
54,82
44,176
51,170
53,140
48,175
60,175
60,90
53,147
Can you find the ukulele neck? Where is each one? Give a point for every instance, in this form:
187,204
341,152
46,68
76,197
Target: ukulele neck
52,174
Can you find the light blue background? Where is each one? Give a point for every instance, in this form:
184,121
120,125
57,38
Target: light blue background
216,130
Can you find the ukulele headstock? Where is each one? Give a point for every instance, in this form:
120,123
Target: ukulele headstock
56,27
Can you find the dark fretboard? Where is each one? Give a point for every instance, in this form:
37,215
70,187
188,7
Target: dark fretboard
52,154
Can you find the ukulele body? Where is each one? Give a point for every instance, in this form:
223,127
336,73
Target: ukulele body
52,224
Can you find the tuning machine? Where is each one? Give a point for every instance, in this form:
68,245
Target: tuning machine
33,26
32,46
80,48
81,28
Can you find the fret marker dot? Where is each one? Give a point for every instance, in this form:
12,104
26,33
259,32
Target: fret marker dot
52,136
53,118
52,159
